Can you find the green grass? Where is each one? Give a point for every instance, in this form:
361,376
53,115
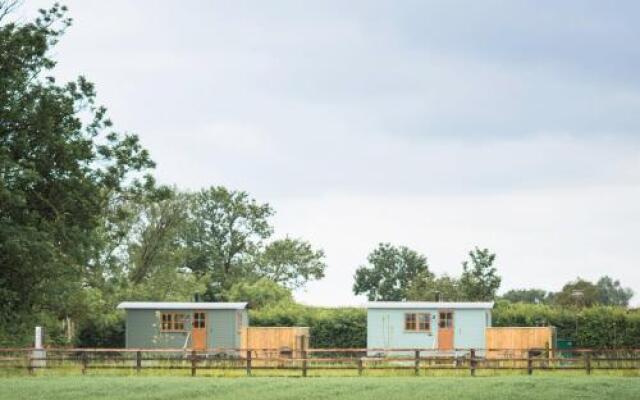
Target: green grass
387,388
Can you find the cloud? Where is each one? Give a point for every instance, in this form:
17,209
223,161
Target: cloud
439,125
542,238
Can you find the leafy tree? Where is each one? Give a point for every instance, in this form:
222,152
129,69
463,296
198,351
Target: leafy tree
291,262
390,272
583,293
611,293
61,167
259,294
479,280
158,239
225,238
537,296
225,231
578,293
427,287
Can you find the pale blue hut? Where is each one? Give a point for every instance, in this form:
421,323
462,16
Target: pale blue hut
438,326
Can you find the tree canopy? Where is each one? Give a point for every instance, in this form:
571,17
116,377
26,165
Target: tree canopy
537,296
83,224
480,280
390,272
62,166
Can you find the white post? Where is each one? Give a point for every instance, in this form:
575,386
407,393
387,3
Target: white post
39,354
38,342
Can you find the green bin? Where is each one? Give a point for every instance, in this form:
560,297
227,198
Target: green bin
564,347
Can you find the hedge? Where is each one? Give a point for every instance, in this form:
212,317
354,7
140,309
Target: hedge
593,327
329,327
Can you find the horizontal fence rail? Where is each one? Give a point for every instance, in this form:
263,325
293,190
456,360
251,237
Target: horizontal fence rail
360,360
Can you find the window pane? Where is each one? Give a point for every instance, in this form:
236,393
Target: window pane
410,322
446,320
424,322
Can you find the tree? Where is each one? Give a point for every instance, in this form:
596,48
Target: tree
611,293
427,287
479,280
158,237
390,272
578,293
61,166
225,231
534,296
291,262
259,294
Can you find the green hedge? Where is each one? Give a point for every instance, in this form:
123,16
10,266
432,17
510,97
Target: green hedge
597,327
329,327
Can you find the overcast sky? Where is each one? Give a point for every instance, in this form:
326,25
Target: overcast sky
443,125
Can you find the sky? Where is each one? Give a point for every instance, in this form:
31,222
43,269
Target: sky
439,125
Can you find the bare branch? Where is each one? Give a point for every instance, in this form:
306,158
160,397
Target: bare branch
7,7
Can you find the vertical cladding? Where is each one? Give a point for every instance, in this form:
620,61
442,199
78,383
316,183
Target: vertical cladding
222,331
143,331
385,329
223,328
469,328
242,323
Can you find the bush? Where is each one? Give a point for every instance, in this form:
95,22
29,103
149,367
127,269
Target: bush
329,327
597,327
111,335
259,294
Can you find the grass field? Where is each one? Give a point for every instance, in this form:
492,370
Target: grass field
495,388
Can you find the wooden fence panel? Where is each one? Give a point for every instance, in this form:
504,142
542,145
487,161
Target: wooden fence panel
274,338
515,342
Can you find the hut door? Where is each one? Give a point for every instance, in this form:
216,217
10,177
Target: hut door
445,330
199,331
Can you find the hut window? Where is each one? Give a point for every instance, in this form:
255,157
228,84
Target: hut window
424,322
172,322
417,322
199,320
446,320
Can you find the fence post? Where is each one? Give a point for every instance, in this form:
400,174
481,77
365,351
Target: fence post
248,362
587,362
529,363
417,363
360,366
472,362
304,362
85,362
29,362
193,362
138,361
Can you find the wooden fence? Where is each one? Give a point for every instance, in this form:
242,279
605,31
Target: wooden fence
292,339
360,360
510,339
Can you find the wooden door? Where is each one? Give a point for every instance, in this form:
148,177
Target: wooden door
445,330
199,330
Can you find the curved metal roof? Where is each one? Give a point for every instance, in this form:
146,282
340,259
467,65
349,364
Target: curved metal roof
161,305
461,305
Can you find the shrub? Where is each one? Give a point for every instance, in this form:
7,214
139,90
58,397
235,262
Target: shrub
593,327
329,327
